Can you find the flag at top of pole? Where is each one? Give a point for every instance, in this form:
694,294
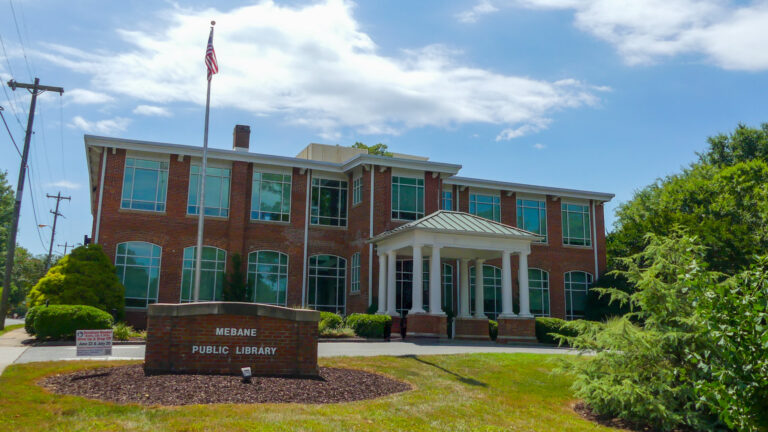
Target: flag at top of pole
213,67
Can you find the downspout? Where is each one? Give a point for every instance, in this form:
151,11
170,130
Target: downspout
306,237
370,245
594,230
101,194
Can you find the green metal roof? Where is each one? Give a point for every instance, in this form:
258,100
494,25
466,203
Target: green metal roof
454,222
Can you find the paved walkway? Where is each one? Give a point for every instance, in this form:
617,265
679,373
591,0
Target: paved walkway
11,347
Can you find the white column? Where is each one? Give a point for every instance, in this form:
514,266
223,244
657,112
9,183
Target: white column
382,284
391,283
417,289
479,294
506,286
464,289
525,303
435,282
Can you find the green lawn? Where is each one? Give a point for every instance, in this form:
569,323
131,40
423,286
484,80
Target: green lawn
10,327
511,392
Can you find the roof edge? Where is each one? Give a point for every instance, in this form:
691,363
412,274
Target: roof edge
528,188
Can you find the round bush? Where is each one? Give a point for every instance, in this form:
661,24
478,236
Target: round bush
62,321
29,319
493,329
370,326
329,320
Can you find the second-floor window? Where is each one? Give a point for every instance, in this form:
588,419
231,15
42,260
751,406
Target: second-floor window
484,205
576,230
357,190
447,200
271,197
329,202
216,191
145,184
407,198
532,216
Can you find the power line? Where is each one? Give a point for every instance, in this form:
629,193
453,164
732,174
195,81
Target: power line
13,141
21,41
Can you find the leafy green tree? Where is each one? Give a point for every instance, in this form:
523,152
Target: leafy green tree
84,277
27,271
743,145
376,149
235,286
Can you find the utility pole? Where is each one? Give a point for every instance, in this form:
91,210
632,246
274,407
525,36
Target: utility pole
56,215
35,89
66,246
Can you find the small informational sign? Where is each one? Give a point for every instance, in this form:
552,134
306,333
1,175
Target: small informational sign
94,342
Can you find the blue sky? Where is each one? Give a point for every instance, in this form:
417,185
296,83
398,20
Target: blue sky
603,95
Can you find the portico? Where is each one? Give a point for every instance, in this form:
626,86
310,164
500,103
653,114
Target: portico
456,236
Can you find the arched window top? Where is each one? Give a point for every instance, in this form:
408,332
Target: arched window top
327,261
210,253
139,248
578,277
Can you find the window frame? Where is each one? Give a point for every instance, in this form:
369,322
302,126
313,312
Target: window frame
151,257
255,273
446,283
314,219
569,315
354,284
546,289
400,282
283,184
420,191
337,278
496,204
520,212
497,289
444,199
564,211
160,170
357,190
192,272
199,183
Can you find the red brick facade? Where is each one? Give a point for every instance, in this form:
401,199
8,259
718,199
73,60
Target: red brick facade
173,230
514,330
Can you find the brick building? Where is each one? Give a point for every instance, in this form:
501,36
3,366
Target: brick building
309,229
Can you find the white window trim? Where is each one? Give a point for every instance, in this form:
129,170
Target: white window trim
485,192
290,195
549,290
355,274
287,270
153,158
357,184
344,288
192,287
540,198
423,201
346,203
159,271
590,281
202,205
589,225
485,288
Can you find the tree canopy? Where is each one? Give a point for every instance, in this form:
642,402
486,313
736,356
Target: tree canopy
376,149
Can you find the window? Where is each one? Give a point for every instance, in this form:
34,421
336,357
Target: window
532,216
487,206
357,190
216,191
447,287
407,198
491,290
447,200
271,197
327,282
576,286
538,289
355,288
404,283
138,268
329,202
145,183
576,225
213,263
268,277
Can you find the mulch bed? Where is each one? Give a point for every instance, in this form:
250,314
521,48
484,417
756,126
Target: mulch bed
129,384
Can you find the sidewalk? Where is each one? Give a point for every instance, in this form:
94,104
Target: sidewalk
11,347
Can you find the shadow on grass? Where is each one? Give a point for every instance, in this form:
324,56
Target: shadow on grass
463,379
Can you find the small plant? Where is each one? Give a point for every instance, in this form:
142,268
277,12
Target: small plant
340,332
493,329
123,332
62,321
329,320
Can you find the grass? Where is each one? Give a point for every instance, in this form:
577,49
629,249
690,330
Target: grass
478,392
10,327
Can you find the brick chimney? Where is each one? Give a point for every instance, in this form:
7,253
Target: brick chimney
241,138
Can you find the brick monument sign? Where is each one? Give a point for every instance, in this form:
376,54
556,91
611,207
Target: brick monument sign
223,337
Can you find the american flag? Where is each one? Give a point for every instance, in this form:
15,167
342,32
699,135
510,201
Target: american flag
210,58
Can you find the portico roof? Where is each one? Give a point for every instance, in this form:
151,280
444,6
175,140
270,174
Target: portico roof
453,222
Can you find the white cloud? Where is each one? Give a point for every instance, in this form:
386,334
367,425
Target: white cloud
107,126
539,146
482,7
314,66
66,184
724,32
84,97
151,110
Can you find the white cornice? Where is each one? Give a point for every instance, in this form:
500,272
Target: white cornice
526,188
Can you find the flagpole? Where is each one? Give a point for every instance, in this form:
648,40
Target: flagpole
201,201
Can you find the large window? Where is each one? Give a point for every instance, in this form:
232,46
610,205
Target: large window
212,267
447,200
138,268
447,287
357,190
216,191
538,288
404,283
271,197
355,288
268,277
576,286
487,206
491,290
329,202
327,282
576,225
407,198
532,216
145,183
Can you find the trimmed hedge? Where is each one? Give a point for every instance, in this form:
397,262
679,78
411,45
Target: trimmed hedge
62,321
493,329
329,320
29,319
370,326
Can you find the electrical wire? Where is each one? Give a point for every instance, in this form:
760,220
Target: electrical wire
13,141
21,41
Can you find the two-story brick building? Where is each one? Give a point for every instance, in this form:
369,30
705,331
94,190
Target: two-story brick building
314,230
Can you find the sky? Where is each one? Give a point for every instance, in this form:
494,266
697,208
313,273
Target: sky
601,95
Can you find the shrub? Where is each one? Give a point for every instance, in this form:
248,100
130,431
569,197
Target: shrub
329,320
340,332
29,319
370,326
84,277
123,331
62,321
493,329
546,327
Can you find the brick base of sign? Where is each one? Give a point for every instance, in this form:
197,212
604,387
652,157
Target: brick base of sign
515,330
472,329
136,318
223,337
427,325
